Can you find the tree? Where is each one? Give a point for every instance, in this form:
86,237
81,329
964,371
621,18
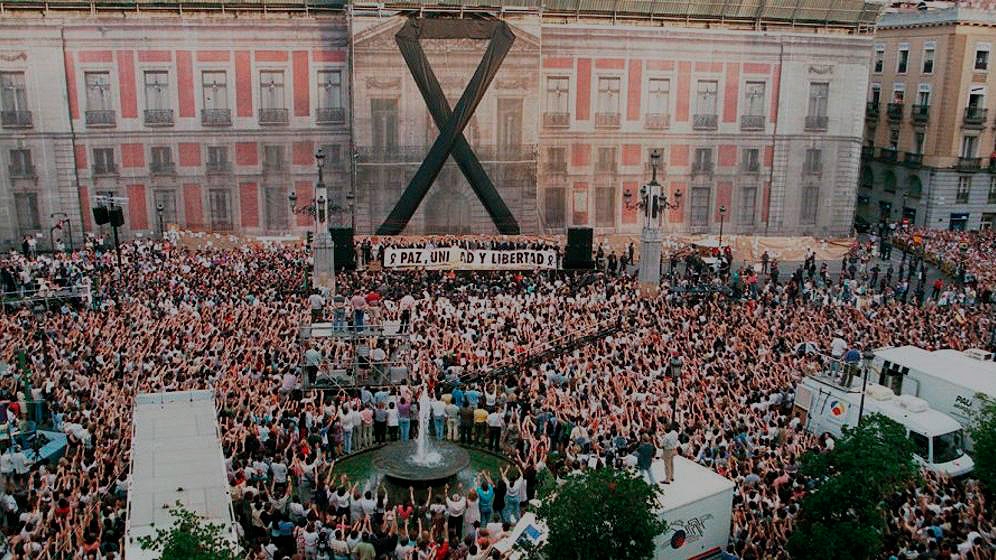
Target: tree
843,517
983,433
604,513
190,539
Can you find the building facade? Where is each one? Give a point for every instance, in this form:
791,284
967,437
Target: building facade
929,150
208,120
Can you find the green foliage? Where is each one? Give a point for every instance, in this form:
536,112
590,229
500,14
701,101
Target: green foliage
189,539
983,433
842,517
600,514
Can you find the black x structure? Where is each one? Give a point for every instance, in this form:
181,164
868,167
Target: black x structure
451,123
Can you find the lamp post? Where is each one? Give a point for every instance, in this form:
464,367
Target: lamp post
159,214
654,203
866,358
722,215
675,371
323,273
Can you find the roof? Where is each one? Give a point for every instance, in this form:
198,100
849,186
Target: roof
176,456
950,365
693,483
928,422
948,16
847,13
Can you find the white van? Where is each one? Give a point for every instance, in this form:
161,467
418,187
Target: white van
938,438
954,382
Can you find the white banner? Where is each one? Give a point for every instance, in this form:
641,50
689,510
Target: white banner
456,258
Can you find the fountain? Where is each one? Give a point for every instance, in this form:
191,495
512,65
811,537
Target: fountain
422,460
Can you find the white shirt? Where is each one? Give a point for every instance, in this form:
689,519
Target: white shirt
670,440
837,347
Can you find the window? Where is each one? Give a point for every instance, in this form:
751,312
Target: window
20,163
329,89
555,206
810,205
754,99
26,206
167,200
703,160
217,156
898,92
556,160
923,95
13,94
608,95
606,160
157,90
991,195
814,161
215,89
969,145
902,59
894,139
98,91
819,92
509,127
746,206
659,98
557,94
271,90
384,113
964,188
103,160
982,56
928,57
605,208
333,155
876,94
921,445
879,58
987,221
275,208
705,99
273,157
162,159
699,206
751,159
918,140
220,209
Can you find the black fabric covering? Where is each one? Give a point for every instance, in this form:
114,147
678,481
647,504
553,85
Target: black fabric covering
451,123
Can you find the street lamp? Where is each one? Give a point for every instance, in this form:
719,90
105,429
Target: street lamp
159,214
675,370
722,215
654,203
866,360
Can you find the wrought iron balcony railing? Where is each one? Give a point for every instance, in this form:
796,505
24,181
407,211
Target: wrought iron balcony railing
100,118
216,117
15,119
159,117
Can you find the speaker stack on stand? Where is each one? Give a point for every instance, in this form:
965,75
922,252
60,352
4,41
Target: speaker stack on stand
577,256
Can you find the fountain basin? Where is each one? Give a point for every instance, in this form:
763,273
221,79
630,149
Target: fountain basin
398,461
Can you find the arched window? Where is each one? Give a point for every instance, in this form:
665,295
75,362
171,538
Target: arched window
867,177
889,181
914,188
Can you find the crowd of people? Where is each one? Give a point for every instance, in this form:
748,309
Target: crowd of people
176,318
973,252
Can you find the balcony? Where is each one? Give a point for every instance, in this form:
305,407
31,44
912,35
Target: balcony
159,117
705,122
969,164
606,120
216,117
556,120
894,112
218,167
816,122
21,171
101,118
162,168
888,155
702,167
868,152
975,117
913,160
871,111
656,121
752,122
920,114
15,119
330,115
104,169
273,116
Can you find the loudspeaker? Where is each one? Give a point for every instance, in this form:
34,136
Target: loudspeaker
100,215
577,256
345,256
116,216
